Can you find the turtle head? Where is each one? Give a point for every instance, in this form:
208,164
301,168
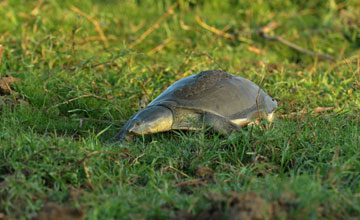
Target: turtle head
150,120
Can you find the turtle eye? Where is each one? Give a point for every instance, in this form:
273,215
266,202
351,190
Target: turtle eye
137,123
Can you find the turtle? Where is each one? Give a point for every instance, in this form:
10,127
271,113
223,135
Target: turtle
214,98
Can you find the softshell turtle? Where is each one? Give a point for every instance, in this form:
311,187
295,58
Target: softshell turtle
213,98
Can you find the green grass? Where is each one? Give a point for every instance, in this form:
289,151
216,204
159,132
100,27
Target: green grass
75,93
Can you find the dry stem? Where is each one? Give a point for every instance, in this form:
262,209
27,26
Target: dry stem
214,30
136,159
179,171
263,33
1,52
352,71
159,47
302,112
155,25
71,100
95,22
86,169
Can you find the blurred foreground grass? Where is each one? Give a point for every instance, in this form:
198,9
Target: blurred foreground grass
86,66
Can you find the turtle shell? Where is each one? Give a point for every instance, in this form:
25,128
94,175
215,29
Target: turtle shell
219,93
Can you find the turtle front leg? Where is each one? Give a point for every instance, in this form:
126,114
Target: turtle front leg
220,124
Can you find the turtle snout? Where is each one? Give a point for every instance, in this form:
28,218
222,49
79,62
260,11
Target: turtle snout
137,127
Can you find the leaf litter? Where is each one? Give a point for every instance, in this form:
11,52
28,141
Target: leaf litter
6,84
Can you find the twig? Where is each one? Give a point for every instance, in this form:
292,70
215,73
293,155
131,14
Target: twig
212,59
323,109
71,100
73,44
95,23
115,161
100,121
40,152
134,29
76,164
184,74
6,83
213,38
302,112
263,34
258,94
35,11
352,71
189,183
341,62
358,67
185,27
179,171
214,30
136,159
255,50
155,25
270,26
251,133
159,47
186,60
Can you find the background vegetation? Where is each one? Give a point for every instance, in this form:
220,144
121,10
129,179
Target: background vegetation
84,67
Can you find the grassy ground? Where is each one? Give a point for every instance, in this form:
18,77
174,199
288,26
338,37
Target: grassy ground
86,66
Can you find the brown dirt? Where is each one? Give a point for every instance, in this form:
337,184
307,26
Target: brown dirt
246,206
53,211
3,216
251,206
74,193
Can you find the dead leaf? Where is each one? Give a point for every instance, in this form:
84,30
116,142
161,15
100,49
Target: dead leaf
204,172
143,101
270,27
305,111
53,211
6,83
323,109
256,50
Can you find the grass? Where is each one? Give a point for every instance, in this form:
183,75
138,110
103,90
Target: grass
77,89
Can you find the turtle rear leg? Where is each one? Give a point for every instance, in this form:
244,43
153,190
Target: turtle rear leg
220,124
